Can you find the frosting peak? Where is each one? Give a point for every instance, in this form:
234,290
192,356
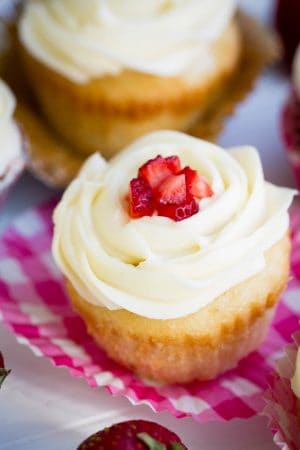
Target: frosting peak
156,267
85,39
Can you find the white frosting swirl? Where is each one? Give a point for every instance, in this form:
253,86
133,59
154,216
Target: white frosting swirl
156,267
296,377
10,139
83,39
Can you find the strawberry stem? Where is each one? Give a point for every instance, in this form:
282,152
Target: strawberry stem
152,443
155,445
176,446
3,375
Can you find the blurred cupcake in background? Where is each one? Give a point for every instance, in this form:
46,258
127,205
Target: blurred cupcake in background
291,120
93,76
11,142
106,72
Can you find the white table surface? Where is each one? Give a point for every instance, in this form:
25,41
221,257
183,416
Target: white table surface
43,407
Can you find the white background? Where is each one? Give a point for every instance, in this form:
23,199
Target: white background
42,407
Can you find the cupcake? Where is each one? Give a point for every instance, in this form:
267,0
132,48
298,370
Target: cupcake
11,154
108,72
291,120
174,254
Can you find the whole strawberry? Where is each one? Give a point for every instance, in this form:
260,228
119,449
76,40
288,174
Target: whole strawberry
133,435
287,22
3,372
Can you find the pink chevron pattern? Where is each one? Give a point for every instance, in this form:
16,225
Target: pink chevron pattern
281,402
35,307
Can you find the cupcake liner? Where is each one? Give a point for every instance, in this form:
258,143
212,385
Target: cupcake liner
281,401
291,132
260,48
47,151
35,307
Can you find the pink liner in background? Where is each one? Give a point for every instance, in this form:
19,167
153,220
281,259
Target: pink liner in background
35,307
281,401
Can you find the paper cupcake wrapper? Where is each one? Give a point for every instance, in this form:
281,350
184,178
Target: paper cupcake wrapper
35,307
47,152
281,401
291,133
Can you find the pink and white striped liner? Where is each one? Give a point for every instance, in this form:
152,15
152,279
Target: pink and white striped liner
281,401
34,305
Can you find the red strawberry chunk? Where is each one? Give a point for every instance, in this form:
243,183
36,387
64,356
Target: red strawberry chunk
196,185
140,199
173,163
156,170
180,211
172,190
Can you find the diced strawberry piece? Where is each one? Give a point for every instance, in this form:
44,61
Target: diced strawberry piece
178,212
173,164
140,199
196,185
171,190
155,171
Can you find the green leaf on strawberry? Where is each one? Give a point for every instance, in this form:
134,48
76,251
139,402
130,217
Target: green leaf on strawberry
3,372
155,445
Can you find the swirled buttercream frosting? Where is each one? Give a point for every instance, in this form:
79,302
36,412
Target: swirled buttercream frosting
86,39
10,139
154,266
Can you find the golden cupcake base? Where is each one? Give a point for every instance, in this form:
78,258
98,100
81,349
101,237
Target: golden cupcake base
199,346
56,163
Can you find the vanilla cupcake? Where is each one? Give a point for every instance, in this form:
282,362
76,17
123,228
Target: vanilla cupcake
174,253
105,72
11,155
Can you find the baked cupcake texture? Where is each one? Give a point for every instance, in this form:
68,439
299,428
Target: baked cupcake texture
108,71
291,120
11,159
174,253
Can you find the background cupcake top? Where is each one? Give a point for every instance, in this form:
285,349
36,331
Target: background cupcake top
82,40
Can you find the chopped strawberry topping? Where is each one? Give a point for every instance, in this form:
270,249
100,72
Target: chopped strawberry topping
180,211
172,190
140,198
173,163
195,185
163,187
156,170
